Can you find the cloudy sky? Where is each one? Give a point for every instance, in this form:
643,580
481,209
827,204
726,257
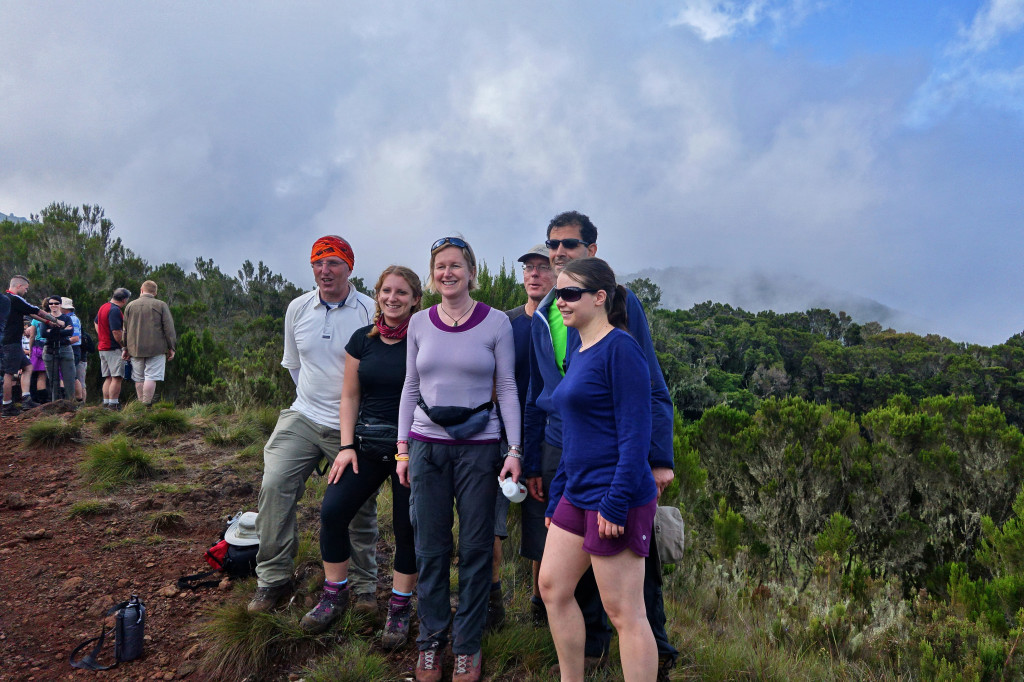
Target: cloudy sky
876,147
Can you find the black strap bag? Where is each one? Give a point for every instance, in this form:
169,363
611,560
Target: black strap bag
129,631
460,422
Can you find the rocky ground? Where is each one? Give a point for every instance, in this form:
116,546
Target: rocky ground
60,574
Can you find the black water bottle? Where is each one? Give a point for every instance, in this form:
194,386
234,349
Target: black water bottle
131,629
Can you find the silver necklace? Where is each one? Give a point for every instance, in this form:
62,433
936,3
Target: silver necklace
455,323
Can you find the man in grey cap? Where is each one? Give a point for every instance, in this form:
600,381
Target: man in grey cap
538,280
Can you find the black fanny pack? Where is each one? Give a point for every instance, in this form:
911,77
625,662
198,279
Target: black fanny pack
459,422
452,415
377,438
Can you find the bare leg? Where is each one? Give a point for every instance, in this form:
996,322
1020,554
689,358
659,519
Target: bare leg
620,579
148,391
563,564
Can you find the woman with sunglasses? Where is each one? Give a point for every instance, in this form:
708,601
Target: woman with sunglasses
603,498
57,354
372,387
460,354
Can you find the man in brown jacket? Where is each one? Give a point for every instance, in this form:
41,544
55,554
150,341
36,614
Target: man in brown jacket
148,339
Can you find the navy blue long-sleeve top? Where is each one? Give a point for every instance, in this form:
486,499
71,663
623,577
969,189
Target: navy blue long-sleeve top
605,404
542,421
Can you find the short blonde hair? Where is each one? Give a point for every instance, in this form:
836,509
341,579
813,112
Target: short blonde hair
467,254
149,286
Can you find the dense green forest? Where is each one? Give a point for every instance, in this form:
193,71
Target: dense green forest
854,489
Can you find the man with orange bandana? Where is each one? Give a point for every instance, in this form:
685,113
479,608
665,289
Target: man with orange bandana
317,326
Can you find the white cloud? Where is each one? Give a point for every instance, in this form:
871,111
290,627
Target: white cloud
991,24
977,68
716,19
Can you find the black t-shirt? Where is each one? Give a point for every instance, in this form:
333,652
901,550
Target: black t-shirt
5,308
381,375
16,318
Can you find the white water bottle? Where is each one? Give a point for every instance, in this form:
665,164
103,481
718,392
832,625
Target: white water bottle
515,492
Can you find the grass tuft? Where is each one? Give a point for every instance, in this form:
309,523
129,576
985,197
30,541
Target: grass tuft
93,507
155,422
263,418
51,432
355,662
163,521
116,462
239,434
244,645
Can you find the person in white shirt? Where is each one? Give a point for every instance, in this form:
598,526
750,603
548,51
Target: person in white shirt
317,325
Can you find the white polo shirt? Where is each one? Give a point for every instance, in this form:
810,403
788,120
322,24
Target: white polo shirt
315,336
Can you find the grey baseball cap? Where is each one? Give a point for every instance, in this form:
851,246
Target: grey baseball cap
538,250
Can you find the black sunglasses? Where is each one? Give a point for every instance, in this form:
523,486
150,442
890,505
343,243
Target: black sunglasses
454,241
573,294
569,243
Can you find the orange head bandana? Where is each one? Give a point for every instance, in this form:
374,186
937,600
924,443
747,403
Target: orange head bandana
332,245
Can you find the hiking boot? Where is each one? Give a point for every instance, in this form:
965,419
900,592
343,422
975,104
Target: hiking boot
538,612
270,598
495,612
11,410
366,604
396,629
330,608
429,666
467,667
27,403
665,665
590,665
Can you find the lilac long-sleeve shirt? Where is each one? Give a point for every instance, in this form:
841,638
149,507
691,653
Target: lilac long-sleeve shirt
459,366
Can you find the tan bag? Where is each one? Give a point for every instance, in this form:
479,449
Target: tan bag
670,531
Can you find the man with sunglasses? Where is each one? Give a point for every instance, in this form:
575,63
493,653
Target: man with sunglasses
572,235
317,325
11,354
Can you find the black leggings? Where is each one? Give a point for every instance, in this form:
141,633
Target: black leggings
344,498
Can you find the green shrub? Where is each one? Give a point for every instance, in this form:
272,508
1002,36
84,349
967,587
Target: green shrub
51,432
116,462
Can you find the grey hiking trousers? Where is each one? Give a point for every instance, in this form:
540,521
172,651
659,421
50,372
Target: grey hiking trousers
289,458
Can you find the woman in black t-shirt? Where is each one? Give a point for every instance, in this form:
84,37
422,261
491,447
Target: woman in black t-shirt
374,375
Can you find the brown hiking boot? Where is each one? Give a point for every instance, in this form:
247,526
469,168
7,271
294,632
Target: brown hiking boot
428,665
366,604
271,598
467,667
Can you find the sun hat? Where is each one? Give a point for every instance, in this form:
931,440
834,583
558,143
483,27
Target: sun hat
242,530
66,302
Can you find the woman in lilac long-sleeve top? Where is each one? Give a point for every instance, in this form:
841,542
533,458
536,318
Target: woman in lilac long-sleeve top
603,497
460,353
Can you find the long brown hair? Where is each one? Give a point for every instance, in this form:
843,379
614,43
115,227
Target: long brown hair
410,277
594,273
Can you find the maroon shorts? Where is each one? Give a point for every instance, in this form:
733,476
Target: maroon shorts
637,536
